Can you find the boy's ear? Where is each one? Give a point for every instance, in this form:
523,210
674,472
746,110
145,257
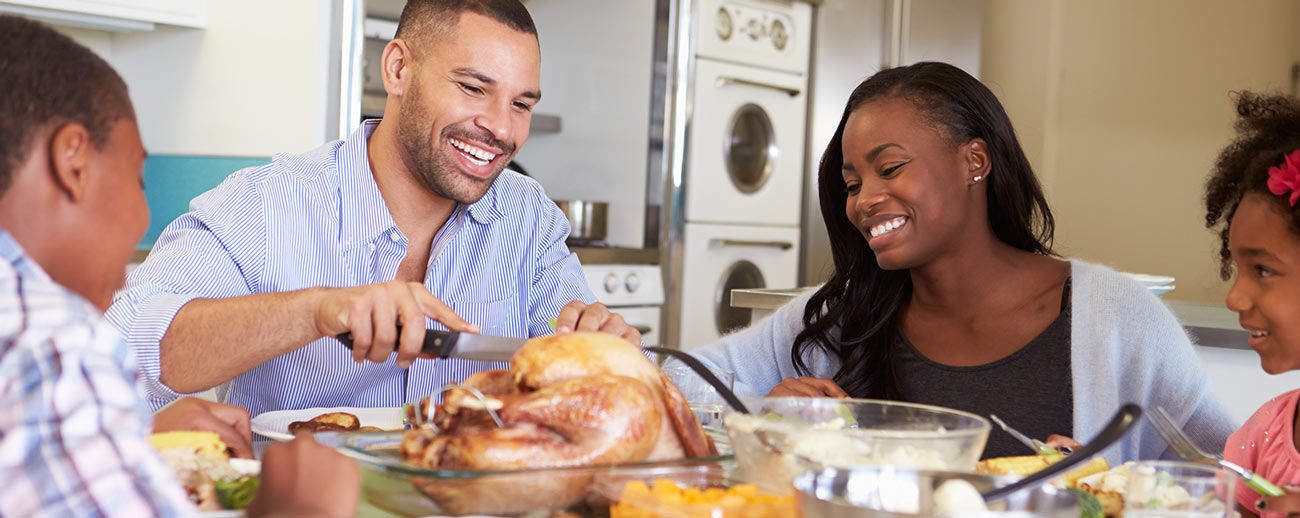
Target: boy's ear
70,154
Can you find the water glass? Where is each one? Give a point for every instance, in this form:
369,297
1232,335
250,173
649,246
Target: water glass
704,400
1169,489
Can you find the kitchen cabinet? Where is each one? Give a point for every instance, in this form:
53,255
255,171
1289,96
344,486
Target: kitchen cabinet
113,15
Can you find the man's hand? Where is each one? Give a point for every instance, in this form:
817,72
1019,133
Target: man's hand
579,316
372,313
807,386
303,478
193,414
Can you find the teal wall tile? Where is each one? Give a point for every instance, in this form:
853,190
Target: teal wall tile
171,181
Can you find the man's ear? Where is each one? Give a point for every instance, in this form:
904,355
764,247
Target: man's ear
70,153
396,67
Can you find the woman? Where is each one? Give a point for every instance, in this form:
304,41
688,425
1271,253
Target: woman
946,290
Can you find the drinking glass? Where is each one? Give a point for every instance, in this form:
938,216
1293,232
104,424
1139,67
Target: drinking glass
700,395
1172,489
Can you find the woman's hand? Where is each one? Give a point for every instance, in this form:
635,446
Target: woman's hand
807,386
1063,444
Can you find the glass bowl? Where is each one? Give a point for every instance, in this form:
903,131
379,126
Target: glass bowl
786,436
706,490
894,492
394,485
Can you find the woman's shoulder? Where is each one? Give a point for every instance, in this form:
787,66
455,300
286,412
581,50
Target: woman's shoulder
1101,288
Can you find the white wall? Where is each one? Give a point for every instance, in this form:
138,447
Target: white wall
249,84
596,72
1123,106
1240,383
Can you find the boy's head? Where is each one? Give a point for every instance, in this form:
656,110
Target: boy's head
71,161
1251,198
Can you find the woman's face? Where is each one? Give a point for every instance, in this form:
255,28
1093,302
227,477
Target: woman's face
908,186
1266,291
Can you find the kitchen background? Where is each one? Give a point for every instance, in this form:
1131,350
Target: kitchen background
1121,106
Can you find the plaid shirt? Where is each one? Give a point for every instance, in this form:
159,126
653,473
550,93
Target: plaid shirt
72,428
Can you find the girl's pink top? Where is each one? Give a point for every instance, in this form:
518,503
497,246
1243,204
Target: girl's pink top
1265,446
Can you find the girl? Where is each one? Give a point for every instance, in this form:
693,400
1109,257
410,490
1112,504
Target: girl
1251,199
946,290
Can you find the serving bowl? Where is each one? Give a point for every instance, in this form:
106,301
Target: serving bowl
391,483
897,492
702,490
783,437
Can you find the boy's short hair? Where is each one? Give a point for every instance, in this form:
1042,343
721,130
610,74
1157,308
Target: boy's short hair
51,80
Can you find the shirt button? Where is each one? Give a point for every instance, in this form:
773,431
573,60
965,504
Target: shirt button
395,236
372,247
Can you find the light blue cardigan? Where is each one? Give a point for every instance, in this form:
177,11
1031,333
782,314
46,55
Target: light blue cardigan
1126,346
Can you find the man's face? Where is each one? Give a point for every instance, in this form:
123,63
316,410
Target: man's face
116,215
466,110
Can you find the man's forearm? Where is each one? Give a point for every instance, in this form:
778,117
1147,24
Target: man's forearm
210,341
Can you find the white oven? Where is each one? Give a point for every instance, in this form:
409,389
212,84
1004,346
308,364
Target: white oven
634,291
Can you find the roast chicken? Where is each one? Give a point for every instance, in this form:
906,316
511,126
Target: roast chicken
576,399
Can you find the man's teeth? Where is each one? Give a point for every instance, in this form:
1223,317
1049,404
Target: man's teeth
476,154
887,227
1258,334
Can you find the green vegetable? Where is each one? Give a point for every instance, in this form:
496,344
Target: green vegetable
1089,507
238,493
554,322
847,416
773,416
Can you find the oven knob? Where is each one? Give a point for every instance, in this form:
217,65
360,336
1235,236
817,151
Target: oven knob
722,24
778,34
755,29
611,283
632,282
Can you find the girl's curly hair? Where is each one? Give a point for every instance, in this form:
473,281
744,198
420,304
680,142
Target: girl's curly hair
1268,129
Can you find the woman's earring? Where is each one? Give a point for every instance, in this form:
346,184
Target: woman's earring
978,178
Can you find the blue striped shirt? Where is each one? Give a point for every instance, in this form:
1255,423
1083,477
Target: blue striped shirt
318,219
72,429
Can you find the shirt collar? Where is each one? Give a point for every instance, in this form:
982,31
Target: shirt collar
363,215
14,255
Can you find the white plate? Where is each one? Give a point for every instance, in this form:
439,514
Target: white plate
1151,280
1161,290
275,424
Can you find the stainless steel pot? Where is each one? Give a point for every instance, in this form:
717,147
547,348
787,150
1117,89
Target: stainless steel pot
587,219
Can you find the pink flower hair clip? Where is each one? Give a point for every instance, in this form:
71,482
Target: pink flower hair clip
1286,177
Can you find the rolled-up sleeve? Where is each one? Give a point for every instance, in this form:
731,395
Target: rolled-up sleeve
216,250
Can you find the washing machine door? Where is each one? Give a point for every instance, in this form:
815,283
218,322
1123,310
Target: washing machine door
750,148
742,275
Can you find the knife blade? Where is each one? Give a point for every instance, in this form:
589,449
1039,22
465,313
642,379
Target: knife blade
468,346
1038,446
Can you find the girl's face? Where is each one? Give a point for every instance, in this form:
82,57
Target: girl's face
908,186
1266,291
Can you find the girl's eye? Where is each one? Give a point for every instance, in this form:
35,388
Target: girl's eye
1263,271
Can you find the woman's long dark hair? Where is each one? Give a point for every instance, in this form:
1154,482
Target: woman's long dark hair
862,300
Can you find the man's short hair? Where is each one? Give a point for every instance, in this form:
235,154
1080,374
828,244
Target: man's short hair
49,79
425,21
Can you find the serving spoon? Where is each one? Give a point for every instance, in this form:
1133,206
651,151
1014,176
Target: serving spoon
1117,428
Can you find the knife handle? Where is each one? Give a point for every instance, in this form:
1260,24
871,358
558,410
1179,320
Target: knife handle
438,344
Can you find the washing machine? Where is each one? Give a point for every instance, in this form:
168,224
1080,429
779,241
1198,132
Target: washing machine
720,258
742,183
746,154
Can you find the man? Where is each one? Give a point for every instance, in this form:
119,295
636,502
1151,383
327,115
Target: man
72,208
410,217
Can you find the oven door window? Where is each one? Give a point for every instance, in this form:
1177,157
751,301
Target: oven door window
742,275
